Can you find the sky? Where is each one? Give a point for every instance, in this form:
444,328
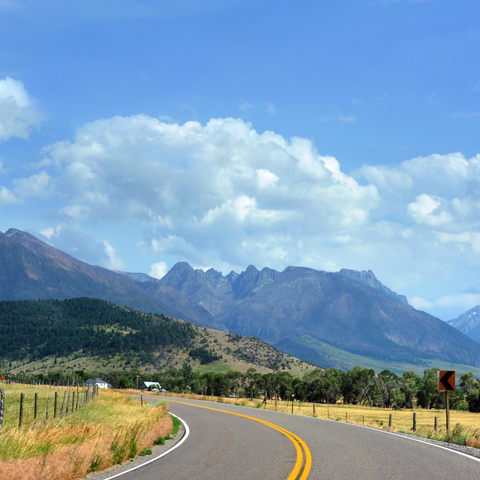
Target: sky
224,133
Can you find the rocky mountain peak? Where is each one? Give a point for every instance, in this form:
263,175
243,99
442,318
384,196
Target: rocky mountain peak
368,278
468,323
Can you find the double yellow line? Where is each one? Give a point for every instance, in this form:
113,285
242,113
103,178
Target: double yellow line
297,441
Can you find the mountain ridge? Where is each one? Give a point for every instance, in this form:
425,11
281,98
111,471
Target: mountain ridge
468,323
299,309
31,269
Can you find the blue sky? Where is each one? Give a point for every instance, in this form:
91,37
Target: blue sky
226,133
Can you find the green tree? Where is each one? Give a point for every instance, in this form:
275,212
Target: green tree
386,383
471,388
428,394
410,384
356,384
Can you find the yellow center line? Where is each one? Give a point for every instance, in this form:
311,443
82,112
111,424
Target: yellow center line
288,434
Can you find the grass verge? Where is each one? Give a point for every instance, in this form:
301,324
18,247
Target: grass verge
106,431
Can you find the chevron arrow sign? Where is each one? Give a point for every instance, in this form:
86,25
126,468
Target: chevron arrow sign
446,380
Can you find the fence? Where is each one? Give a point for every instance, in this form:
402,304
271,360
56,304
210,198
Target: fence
31,410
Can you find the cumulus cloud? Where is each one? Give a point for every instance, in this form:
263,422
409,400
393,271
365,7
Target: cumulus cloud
18,113
7,197
218,190
225,195
425,210
51,232
73,240
158,270
114,262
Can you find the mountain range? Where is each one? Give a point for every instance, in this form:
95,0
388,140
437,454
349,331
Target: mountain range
304,312
31,269
468,323
301,309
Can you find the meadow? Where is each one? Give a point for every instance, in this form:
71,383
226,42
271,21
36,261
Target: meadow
107,430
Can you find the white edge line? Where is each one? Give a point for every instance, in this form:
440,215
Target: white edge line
407,437
185,436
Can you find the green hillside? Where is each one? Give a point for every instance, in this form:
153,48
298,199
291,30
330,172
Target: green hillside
92,334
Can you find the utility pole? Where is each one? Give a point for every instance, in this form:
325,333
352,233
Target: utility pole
138,376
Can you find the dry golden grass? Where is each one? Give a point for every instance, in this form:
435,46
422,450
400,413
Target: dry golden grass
464,426
104,432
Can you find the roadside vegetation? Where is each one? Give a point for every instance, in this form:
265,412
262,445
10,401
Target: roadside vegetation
106,431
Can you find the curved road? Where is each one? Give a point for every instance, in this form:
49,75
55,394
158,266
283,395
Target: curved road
225,446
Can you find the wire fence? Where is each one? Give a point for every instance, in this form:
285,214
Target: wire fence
26,409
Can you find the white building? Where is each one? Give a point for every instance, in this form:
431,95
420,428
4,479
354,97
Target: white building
96,382
153,385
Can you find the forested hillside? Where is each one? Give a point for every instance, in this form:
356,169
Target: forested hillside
89,334
39,328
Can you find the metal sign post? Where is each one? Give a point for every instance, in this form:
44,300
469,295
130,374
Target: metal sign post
446,383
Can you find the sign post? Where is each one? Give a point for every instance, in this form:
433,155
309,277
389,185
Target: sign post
446,383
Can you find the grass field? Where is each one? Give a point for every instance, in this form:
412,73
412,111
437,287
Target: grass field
464,426
106,431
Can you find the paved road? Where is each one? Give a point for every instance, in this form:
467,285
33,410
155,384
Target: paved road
224,446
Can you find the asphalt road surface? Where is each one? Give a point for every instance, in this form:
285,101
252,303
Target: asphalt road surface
264,447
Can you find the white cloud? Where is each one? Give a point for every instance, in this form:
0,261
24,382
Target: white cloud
266,178
114,262
7,197
51,232
344,119
158,270
245,107
271,109
425,210
18,113
215,190
464,300
225,195
34,186
420,303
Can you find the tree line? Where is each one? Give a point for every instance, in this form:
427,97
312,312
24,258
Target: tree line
358,386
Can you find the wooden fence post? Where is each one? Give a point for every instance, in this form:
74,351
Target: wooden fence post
20,417
414,428
55,405
390,421
78,396
63,404
2,407
68,401
48,405
436,423
35,408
